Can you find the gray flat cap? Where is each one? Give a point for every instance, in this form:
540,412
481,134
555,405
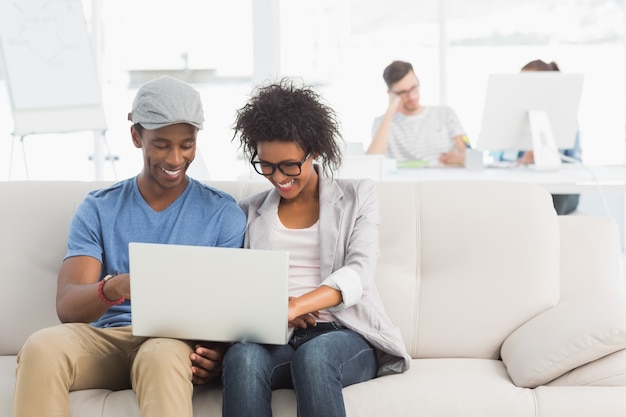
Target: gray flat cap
166,101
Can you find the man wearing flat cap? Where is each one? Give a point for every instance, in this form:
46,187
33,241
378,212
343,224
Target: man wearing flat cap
94,347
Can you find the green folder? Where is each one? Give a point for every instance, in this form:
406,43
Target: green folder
420,163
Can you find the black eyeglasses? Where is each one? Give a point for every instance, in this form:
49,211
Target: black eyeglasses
406,92
291,169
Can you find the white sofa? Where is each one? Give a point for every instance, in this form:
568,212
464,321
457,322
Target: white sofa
507,309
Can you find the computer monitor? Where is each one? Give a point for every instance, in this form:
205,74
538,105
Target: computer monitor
531,111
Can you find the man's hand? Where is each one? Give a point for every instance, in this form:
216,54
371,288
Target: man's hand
453,157
206,362
118,286
395,102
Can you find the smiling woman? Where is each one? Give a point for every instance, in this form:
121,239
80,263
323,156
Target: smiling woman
334,305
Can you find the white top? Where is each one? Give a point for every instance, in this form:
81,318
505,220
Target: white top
304,259
423,136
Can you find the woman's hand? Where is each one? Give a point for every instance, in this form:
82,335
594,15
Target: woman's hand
297,320
527,158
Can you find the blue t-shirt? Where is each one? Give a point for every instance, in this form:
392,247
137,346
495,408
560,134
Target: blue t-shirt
109,219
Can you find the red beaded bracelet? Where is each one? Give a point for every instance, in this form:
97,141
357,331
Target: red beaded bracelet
103,297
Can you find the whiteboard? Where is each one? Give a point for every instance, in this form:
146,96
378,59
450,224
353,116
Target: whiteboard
49,67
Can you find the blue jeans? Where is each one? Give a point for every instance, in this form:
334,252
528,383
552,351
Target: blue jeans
317,363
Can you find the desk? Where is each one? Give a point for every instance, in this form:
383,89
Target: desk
570,179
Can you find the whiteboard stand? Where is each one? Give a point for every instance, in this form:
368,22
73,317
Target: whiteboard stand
61,120
23,157
98,141
99,157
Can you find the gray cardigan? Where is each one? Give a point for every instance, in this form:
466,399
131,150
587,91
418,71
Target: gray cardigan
348,223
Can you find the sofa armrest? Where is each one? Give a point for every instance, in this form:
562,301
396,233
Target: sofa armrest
572,333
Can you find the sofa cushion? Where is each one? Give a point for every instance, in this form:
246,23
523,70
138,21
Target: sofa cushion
573,333
442,387
487,262
597,256
7,382
608,371
32,246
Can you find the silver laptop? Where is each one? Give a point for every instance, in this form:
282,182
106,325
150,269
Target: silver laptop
209,293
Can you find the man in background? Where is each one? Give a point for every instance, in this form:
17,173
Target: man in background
410,131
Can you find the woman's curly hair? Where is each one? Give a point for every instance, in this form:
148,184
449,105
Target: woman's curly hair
288,113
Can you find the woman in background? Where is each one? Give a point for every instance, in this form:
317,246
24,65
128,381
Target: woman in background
563,203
